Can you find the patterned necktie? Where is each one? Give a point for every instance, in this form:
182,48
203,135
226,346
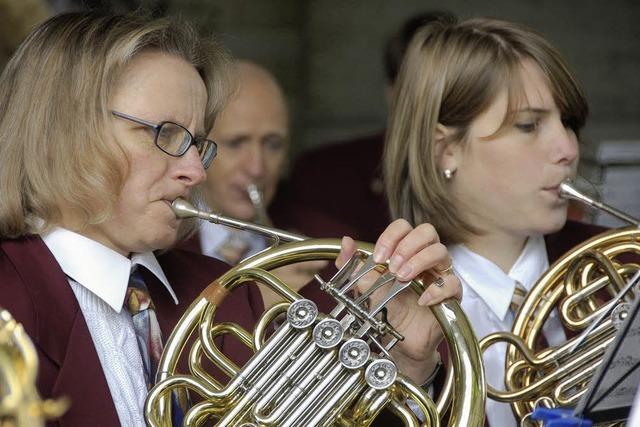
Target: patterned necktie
519,294
145,324
149,336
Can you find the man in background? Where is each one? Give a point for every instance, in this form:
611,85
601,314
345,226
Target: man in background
252,134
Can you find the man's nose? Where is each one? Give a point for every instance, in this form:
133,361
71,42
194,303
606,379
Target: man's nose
254,161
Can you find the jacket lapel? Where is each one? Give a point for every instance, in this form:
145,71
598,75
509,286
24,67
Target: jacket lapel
62,336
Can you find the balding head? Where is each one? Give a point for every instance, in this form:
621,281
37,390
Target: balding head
252,134
255,80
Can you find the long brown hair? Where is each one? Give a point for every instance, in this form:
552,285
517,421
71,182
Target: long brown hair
54,96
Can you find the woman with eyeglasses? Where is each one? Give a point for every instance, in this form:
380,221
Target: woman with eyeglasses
484,129
102,124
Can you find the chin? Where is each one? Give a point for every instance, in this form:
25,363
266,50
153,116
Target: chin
554,222
162,241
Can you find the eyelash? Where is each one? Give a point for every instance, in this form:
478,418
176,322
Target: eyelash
528,127
275,144
232,144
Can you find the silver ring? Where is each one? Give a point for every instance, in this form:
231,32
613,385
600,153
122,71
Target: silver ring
439,282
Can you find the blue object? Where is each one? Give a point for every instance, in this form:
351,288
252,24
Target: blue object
558,417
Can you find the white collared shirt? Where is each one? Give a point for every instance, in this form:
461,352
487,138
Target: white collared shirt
213,235
99,278
487,293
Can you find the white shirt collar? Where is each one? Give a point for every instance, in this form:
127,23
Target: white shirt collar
98,268
491,284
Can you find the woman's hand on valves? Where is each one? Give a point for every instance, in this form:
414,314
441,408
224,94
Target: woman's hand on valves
412,253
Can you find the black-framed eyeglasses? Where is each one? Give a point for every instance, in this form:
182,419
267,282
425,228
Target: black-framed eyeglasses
175,139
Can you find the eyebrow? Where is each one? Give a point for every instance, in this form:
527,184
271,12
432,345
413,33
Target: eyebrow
272,135
534,110
246,136
174,119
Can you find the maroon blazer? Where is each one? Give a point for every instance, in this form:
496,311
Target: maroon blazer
344,180
36,292
571,235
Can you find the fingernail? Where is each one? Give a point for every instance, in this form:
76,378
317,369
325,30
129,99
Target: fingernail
395,262
405,272
424,299
380,254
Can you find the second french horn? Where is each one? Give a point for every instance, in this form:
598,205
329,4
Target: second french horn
588,287
20,402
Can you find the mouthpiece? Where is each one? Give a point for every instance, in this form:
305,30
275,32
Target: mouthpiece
184,209
255,195
568,191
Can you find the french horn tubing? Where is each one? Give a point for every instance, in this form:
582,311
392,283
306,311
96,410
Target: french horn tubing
591,287
315,369
20,402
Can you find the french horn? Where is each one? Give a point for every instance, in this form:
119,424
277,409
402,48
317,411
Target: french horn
591,288
315,369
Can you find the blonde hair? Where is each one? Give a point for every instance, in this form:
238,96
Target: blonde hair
54,96
451,74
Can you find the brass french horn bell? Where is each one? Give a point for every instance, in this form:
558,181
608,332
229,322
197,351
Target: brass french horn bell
316,369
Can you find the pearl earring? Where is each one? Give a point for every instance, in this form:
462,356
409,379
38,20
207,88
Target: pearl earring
448,173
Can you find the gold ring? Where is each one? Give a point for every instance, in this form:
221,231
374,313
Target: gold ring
439,282
447,271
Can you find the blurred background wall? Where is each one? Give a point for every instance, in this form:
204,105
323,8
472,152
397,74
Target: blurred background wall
327,53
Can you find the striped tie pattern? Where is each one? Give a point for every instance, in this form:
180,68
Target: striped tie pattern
519,294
